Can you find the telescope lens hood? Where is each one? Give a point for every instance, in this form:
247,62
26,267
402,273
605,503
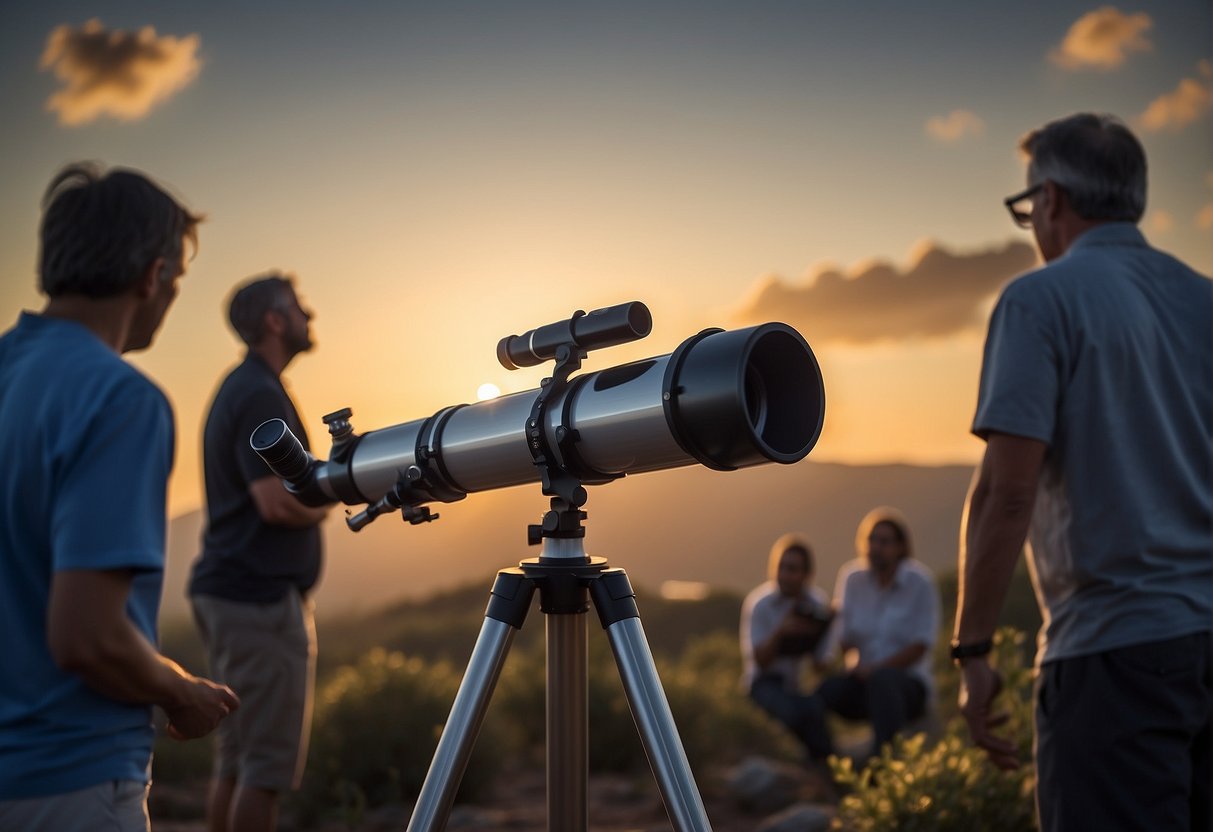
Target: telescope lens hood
745,397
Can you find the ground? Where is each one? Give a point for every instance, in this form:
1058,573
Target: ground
617,803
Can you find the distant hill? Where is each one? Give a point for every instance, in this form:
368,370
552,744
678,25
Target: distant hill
689,524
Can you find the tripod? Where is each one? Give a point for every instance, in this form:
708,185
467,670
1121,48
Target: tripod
564,577
567,579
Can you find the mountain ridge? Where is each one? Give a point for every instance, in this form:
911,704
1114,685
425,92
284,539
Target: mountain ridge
688,524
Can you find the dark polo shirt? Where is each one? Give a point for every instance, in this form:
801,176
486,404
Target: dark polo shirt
243,558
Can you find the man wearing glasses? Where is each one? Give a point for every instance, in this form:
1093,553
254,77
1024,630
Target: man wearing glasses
1096,405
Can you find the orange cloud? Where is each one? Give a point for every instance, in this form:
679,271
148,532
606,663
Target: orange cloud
940,293
116,73
1183,105
955,126
1204,219
1102,39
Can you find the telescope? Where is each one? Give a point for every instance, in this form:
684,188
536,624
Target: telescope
722,399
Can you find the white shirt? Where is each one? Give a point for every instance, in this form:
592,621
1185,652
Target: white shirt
761,613
880,621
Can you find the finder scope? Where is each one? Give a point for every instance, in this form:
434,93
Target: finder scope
600,328
723,399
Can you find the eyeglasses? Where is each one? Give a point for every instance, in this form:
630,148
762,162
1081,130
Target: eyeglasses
1022,216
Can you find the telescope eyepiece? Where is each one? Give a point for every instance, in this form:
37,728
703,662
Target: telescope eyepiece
600,328
281,450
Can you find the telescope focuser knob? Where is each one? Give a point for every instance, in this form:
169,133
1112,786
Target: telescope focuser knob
339,423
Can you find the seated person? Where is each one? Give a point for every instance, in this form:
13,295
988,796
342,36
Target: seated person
887,607
783,623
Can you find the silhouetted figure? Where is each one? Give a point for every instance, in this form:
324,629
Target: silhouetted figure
261,557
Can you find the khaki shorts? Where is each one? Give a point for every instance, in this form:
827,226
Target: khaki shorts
266,653
113,806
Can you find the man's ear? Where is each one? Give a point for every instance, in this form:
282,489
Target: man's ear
275,322
145,287
1056,199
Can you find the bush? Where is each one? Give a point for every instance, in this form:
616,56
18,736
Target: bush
376,728
952,785
716,719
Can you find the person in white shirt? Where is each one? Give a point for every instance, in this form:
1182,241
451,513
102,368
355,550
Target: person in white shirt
784,622
887,607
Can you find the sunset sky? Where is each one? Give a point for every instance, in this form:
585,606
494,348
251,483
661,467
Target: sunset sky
440,175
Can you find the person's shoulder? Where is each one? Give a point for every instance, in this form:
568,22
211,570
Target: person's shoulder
851,574
852,570
244,381
760,594
1039,282
111,378
917,571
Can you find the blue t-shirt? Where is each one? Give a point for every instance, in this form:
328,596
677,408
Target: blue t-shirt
1106,355
87,444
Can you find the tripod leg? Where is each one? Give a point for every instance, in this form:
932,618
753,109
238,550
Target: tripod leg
508,605
567,722
616,605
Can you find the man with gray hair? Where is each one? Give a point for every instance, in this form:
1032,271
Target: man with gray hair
1096,405
260,559
87,443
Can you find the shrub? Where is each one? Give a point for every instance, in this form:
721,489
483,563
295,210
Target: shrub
716,719
952,785
376,728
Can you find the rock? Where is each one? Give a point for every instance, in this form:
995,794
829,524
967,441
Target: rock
763,786
802,817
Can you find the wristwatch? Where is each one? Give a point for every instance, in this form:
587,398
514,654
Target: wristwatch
960,652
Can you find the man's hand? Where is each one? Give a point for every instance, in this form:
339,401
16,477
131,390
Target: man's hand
202,706
979,684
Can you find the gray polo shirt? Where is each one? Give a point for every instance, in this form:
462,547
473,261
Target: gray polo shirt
1106,355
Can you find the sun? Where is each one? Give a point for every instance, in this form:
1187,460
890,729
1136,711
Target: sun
487,391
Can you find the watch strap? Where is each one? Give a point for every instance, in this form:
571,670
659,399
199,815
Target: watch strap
972,650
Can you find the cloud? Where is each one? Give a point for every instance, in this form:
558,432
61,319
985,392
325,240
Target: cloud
940,293
1204,219
116,73
1102,39
1185,104
955,126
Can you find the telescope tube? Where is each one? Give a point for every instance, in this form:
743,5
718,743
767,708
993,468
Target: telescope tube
723,399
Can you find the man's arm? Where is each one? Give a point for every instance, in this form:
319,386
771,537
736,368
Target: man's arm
278,507
89,634
791,625
996,519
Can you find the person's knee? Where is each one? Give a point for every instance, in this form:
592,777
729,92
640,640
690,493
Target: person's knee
887,678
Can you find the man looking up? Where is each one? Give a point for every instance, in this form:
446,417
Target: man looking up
87,443
1096,405
261,556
